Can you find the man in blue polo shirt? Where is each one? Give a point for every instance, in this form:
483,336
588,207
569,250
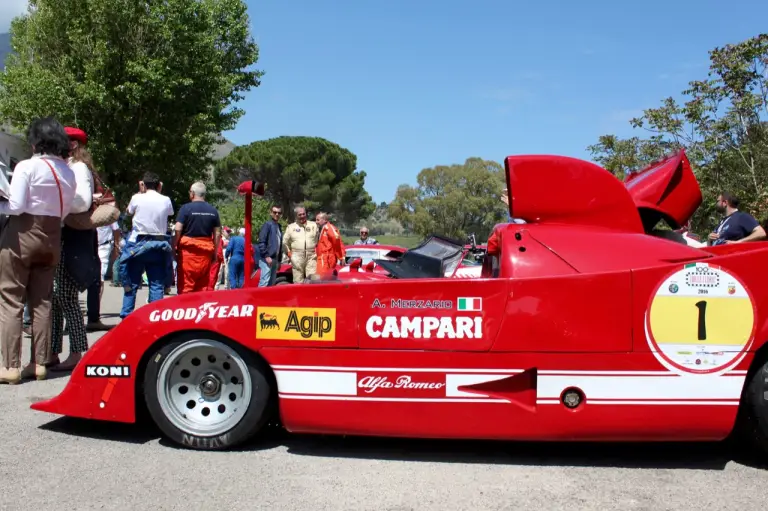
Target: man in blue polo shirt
736,226
270,248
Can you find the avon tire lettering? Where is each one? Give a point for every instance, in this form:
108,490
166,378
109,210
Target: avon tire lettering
198,442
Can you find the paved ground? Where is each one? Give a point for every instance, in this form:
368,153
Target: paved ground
51,462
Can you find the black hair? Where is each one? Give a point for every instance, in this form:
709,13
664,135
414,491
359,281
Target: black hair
151,180
47,136
731,199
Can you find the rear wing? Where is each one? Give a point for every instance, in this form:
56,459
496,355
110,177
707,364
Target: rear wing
666,190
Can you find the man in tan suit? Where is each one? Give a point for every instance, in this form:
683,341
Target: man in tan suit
299,242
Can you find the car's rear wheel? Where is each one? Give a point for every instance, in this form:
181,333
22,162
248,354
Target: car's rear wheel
207,393
281,281
753,416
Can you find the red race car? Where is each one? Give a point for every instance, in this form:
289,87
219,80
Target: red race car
585,325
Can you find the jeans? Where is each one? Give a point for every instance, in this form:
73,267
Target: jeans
236,271
151,256
268,272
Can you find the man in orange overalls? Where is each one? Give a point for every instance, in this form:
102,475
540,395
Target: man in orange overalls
197,240
330,248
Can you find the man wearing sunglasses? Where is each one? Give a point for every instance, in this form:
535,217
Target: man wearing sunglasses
270,248
364,239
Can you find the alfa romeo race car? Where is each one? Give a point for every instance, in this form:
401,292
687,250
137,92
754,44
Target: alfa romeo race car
583,326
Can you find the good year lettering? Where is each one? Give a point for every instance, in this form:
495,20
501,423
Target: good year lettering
209,311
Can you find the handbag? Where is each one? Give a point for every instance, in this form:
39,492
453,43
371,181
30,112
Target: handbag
98,215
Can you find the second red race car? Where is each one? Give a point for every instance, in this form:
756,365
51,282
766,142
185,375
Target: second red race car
585,325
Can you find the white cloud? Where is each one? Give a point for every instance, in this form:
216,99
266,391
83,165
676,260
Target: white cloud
9,9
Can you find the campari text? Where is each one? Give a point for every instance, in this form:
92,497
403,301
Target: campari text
446,327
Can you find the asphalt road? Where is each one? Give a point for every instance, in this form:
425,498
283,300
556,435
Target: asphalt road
48,462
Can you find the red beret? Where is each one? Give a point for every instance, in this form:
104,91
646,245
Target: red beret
76,134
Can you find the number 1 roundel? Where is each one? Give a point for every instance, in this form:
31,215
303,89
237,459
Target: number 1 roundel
701,319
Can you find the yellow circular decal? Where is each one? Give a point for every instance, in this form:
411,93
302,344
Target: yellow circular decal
701,319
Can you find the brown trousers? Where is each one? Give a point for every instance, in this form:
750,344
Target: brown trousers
30,248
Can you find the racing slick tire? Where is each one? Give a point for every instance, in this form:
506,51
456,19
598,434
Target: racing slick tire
281,281
753,420
207,393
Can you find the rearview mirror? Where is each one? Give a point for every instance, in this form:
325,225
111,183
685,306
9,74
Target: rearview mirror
253,186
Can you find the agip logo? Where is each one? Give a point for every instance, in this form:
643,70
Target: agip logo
296,324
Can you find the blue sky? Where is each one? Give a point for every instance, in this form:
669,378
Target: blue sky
409,84
412,84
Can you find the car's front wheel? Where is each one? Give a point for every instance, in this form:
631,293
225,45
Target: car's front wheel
207,393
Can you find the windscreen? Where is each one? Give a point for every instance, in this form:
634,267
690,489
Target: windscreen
443,250
366,255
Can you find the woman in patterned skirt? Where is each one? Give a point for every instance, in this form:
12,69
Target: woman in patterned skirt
73,277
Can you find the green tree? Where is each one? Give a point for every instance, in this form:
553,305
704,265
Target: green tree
232,213
722,123
153,83
310,171
453,200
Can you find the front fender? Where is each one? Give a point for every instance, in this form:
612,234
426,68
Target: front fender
103,385
109,392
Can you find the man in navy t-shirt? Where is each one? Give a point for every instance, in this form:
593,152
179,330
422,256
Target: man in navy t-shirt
198,235
736,226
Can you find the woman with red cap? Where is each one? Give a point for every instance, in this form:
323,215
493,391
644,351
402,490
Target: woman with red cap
78,268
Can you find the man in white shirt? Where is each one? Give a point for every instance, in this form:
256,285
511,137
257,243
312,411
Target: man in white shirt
148,243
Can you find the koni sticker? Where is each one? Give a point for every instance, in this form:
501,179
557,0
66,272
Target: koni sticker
107,371
424,327
701,319
296,323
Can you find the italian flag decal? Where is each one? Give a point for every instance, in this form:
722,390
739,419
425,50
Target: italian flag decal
470,304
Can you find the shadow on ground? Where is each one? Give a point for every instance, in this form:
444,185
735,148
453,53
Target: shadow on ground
690,456
100,430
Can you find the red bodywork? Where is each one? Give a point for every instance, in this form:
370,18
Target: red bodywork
578,300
